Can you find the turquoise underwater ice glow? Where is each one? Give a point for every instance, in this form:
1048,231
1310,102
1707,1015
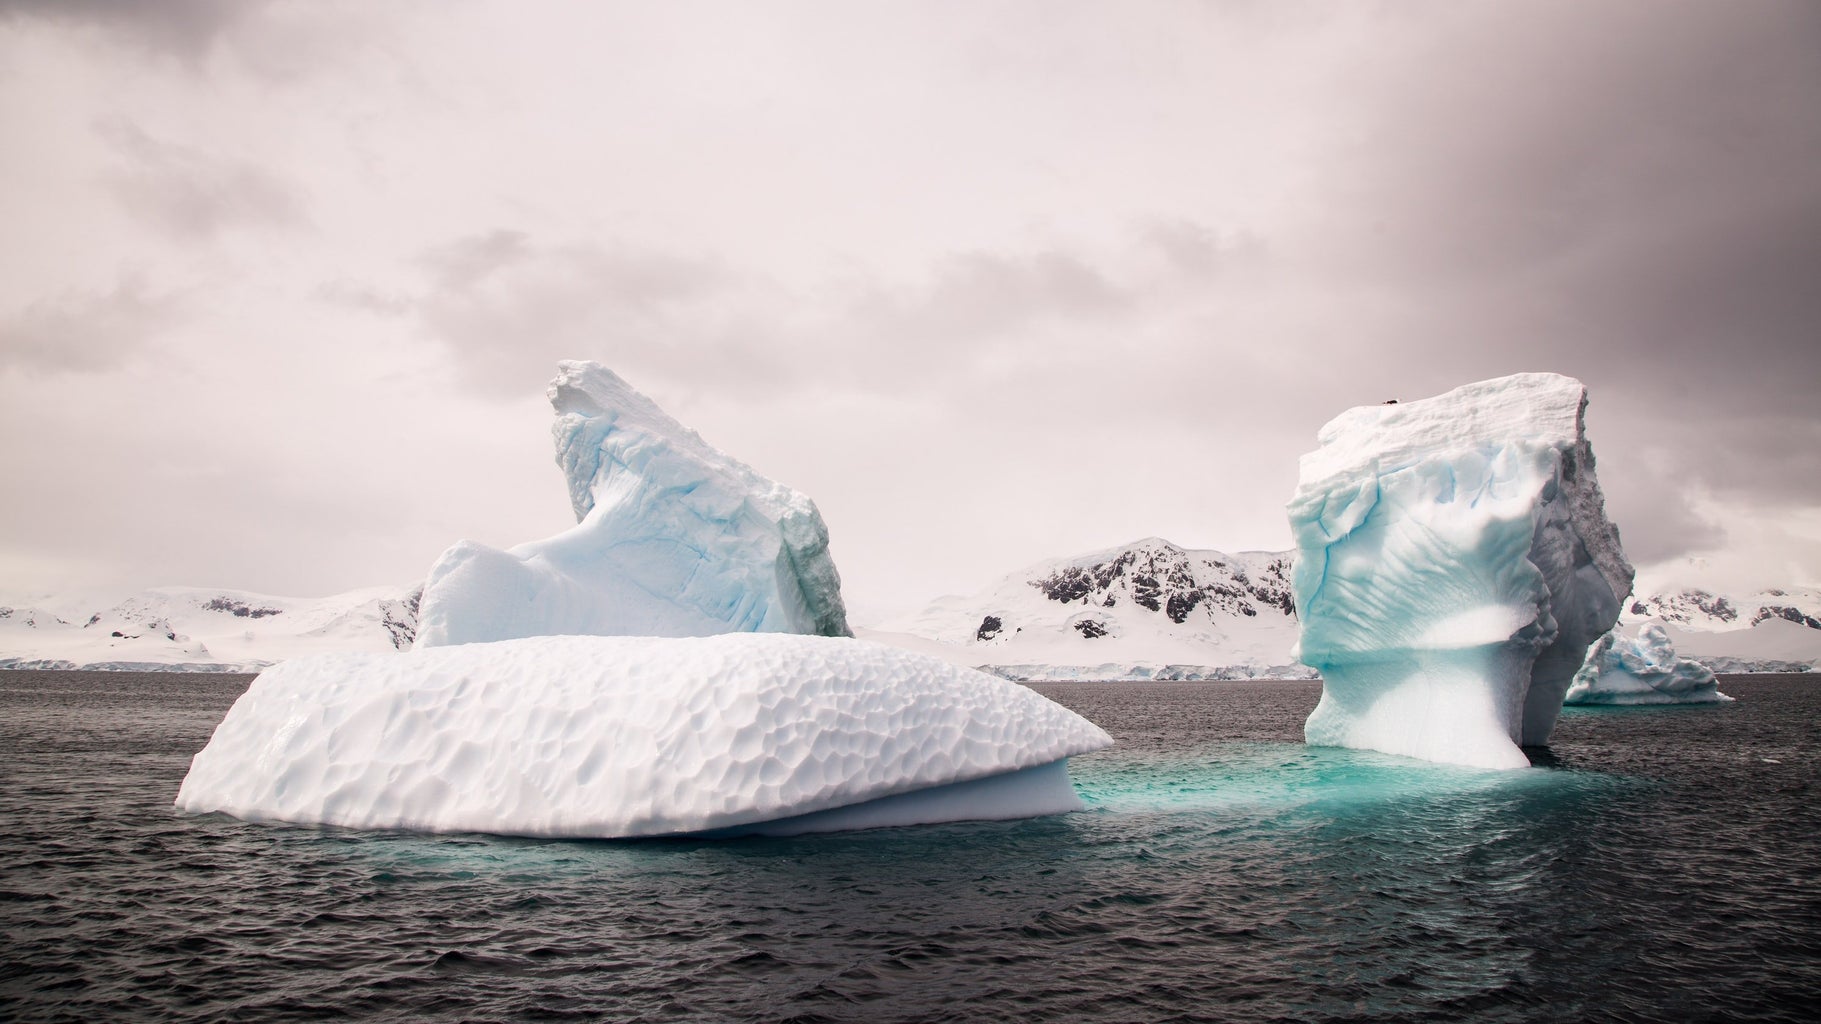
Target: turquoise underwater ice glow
1283,777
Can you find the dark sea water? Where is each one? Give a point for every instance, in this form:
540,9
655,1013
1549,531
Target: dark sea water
1663,864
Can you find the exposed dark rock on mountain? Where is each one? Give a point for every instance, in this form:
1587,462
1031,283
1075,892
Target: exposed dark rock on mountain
1159,577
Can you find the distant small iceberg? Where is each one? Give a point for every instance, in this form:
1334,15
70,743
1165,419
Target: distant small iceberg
1644,669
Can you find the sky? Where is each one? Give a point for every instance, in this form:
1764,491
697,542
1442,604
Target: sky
282,283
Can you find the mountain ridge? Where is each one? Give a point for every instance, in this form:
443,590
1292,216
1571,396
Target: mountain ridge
1149,609
1704,609
1134,610
1153,610
205,629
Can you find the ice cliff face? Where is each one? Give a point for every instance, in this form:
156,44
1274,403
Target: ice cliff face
1453,563
1641,670
673,538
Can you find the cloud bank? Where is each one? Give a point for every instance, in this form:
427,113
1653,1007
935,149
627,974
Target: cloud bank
992,283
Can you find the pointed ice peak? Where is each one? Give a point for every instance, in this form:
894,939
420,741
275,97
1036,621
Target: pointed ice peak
673,537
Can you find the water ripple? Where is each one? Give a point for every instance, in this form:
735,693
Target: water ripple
1661,867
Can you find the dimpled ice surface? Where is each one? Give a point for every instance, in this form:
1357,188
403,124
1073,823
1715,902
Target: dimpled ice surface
1644,669
673,538
1453,563
637,736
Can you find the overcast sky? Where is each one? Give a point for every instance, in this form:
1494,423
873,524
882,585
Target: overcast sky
281,284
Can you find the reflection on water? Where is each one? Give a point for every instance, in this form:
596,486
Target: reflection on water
1287,776
1663,868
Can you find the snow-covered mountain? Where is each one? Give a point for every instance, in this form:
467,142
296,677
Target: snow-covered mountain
1699,609
1152,610
1148,609
1774,630
198,629
1145,610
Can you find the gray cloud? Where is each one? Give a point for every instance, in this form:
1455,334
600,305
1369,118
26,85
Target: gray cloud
1621,191
191,194
461,264
354,295
1660,472
1191,336
1626,187
983,295
85,332
185,29
1766,459
508,306
1196,250
1137,255
1653,505
1516,134
277,43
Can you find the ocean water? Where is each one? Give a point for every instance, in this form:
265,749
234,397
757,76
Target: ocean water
1661,864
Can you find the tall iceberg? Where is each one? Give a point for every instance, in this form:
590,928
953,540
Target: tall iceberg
1644,669
617,737
1453,563
672,538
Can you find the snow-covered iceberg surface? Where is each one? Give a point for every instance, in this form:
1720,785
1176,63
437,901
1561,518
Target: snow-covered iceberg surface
637,736
1642,670
1453,563
673,538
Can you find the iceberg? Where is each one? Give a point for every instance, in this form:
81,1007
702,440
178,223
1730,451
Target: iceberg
672,538
619,737
1453,563
1644,669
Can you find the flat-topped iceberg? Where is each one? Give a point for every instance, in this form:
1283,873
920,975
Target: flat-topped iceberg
1453,563
672,538
1642,669
637,736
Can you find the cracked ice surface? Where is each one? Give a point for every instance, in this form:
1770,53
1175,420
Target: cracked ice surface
673,538
637,736
1453,563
